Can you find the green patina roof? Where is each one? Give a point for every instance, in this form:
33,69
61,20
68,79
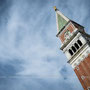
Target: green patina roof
61,22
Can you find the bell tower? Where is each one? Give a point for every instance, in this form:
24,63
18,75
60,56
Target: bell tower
76,47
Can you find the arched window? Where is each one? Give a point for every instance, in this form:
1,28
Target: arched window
73,48
70,51
79,42
76,45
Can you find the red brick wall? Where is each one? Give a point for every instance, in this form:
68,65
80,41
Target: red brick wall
84,70
70,28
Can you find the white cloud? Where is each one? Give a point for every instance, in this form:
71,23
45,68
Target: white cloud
29,36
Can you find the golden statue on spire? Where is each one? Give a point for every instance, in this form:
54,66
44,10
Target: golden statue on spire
55,8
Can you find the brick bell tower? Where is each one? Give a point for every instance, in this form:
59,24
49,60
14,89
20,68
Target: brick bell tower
76,47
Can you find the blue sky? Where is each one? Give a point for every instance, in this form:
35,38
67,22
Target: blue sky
30,58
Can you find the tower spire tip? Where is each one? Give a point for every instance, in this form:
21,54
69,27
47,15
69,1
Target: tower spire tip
55,8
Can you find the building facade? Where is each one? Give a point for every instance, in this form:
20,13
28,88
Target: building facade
76,47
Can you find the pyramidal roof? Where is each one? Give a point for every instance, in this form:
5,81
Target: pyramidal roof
60,19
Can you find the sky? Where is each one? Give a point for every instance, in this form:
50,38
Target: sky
30,55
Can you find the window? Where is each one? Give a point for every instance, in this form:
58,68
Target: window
82,77
70,51
79,42
73,48
76,45
77,68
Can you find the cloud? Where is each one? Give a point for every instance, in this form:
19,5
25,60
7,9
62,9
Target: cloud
29,49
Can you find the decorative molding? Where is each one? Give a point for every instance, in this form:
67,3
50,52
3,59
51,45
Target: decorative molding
80,58
72,41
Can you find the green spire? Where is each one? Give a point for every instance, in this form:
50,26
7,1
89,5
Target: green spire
61,19
61,22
